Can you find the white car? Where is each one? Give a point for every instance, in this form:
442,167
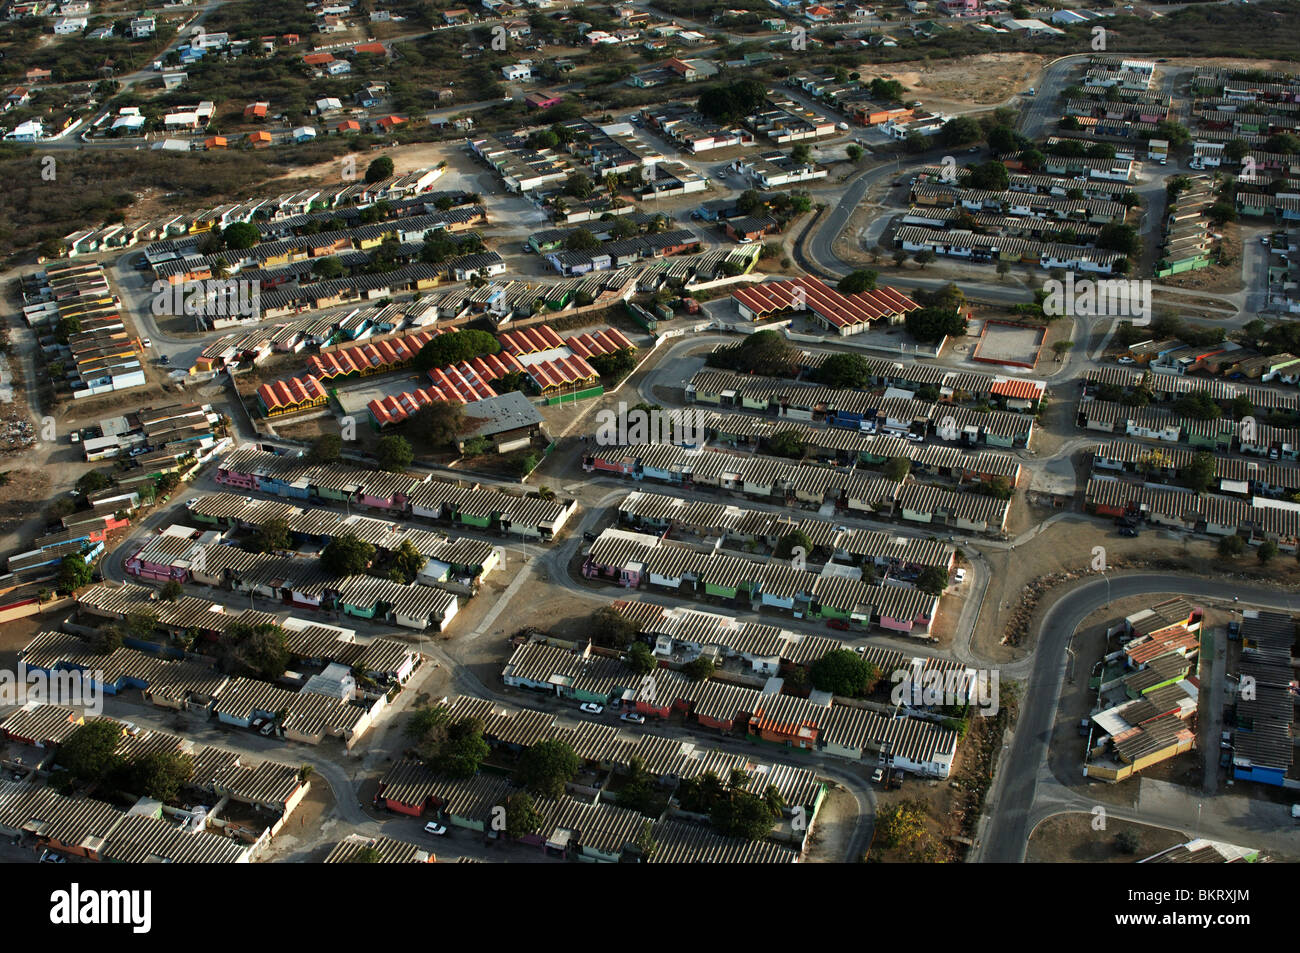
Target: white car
634,717
146,342
438,830
1125,360
960,576
591,708
842,126
745,241
878,775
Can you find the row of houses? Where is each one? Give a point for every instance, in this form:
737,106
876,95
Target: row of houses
1233,476
100,356
635,560
1221,433
674,516
812,724
895,409
359,194
1257,519
1147,693
805,485
1167,387
1263,742
482,508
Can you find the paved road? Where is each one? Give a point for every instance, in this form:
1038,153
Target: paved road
1013,796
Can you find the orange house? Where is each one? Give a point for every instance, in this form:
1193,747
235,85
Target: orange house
215,142
260,140
796,734
348,125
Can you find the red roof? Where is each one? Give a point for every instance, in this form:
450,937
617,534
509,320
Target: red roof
561,371
371,48
255,109
607,341
370,354
813,294
314,59
1018,388
290,393
349,125
388,122
530,340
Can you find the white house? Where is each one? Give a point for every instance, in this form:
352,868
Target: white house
30,131
68,26
141,27
328,104
518,73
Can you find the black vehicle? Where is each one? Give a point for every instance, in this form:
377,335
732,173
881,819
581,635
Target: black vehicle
589,537
1234,631
1130,531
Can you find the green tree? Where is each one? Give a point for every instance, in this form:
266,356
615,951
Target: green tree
959,131
786,443
844,371
856,282
455,347
89,752
547,767
843,672
241,235
522,816
172,590
698,668
463,750
795,539
897,469
439,425
1267,550
272,536
347,555
379,169
258,649
611,628
92,482
407,563
1231,546
394,453
581,239
74,572
159,775
1200,472
327,448
932,581
640,659
328,268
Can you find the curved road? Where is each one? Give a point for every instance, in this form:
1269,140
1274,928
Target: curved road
1006,835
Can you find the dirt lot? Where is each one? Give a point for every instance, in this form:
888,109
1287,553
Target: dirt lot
1032,571
952,85
835,822
25,493
1220,279
1070,838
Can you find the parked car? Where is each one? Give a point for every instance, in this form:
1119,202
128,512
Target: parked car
146,342
436,829
51,857
635,718
589,537
878,775
266,730
960,576
1125,359
839,625
591,708
1234,631
1130,531
164,359
1084,727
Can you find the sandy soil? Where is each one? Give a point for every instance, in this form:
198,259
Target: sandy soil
1222,279
1070,838
953,85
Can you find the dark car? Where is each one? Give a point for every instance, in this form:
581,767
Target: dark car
1234,631
838,624
589,537
1129,531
